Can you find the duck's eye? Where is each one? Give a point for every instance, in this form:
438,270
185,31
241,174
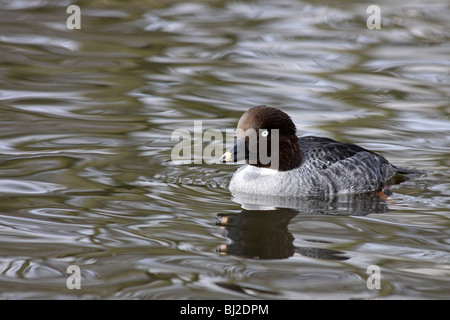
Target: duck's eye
265,133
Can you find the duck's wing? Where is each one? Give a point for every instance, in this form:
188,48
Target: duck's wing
325,152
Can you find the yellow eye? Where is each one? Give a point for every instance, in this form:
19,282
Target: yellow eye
265,133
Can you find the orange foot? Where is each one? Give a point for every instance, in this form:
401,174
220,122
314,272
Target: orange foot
383,196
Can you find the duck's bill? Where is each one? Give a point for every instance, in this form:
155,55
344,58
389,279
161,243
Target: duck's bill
226,157
236,153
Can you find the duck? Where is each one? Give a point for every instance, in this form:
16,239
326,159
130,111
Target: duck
299,166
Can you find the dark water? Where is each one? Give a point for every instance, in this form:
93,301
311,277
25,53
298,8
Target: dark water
87,179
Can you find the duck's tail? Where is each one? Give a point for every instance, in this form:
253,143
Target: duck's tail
409,171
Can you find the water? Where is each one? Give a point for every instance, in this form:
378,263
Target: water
86,176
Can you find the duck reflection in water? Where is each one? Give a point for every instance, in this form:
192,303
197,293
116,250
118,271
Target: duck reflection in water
260,230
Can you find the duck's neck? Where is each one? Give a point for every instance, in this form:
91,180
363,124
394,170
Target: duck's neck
290,153
288,157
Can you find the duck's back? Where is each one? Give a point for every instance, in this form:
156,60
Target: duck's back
337,167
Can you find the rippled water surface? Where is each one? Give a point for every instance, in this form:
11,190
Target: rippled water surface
87,179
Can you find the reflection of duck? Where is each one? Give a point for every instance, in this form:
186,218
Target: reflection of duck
261,231
349,204
264,235
259,234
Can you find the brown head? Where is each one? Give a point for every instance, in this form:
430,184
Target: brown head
264,130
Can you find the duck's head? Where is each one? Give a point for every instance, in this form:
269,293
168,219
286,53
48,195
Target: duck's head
266,137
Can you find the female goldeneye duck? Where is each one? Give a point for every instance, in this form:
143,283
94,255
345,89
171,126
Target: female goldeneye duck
300,166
